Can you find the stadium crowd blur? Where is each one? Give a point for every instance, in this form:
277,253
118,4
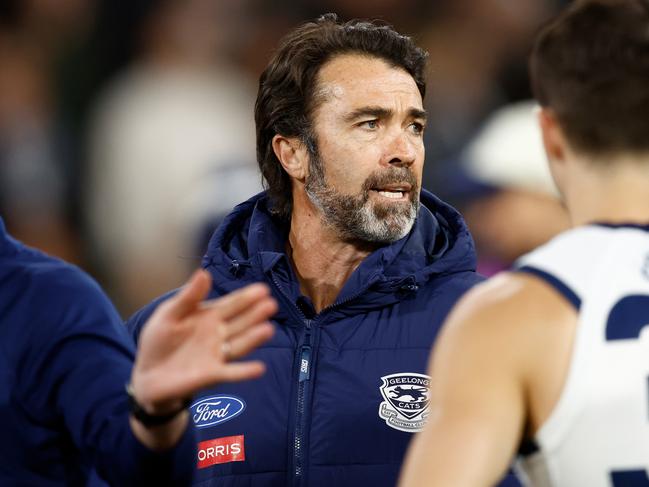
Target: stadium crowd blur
126,128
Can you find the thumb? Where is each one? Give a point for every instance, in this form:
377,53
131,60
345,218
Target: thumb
191,295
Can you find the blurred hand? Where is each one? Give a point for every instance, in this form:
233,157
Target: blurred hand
188,344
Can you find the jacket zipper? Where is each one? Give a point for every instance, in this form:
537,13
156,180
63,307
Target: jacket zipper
303,378
304,375
300,422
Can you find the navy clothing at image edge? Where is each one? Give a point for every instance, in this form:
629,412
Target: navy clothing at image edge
345,388
65,358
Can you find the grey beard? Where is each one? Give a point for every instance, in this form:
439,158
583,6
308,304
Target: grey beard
355,218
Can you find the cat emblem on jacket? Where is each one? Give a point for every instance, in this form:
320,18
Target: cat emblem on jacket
405,405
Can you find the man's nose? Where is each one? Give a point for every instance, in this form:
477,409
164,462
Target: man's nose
401,150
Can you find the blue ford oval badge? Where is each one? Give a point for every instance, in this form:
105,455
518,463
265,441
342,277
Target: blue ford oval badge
214,410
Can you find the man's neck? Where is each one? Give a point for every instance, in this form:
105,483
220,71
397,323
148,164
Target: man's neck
322,261
616,191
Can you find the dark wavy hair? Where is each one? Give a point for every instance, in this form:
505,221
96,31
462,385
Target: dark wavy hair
590,65
286,100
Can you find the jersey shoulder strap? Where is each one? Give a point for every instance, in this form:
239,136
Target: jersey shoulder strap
567,261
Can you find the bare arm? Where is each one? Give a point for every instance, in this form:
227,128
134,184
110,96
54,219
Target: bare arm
483,365
181,351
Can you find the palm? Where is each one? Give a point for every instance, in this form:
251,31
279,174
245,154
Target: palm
182,346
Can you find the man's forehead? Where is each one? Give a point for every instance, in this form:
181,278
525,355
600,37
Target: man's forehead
363,77
326,91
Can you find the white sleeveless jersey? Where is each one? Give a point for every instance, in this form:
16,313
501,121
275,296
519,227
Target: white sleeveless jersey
598,433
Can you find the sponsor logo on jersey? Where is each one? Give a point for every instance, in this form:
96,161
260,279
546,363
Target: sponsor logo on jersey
214,410
221,450
406,401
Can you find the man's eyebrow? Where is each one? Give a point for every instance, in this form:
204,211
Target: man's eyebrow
380,112
417,113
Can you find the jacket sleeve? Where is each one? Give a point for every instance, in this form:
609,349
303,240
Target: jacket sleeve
75,359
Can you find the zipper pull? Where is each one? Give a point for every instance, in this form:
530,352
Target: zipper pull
305,364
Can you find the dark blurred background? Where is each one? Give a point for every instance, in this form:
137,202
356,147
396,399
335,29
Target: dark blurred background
126,127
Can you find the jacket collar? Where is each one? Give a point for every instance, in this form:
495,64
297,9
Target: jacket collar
250,244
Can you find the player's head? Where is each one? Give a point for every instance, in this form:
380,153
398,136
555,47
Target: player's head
288,88
590,70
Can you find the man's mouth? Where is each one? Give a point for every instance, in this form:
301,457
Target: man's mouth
392,194
394,191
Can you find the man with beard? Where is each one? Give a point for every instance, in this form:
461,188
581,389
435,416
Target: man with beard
363,264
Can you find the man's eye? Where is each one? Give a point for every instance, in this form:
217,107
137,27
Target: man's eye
370,124
417,128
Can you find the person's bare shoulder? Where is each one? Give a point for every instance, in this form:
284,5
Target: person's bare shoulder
512,304
522,326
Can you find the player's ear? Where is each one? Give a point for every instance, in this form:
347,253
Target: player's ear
554,140
292,155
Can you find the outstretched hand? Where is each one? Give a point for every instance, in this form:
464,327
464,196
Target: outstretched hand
189,344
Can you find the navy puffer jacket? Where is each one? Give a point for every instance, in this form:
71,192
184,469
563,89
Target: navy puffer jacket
345,388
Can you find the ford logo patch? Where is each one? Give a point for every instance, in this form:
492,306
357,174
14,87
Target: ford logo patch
214,410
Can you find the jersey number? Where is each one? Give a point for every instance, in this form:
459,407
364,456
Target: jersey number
625,322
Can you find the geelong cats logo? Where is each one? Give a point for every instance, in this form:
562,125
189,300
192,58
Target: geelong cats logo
406,401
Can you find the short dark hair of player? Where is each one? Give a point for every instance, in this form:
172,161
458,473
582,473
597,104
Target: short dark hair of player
590,65
287,94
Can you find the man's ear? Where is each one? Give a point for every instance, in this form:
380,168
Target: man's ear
293,155
554,139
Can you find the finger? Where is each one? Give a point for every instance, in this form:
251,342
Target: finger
238,371
191,295
257,313
237,301
246,342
